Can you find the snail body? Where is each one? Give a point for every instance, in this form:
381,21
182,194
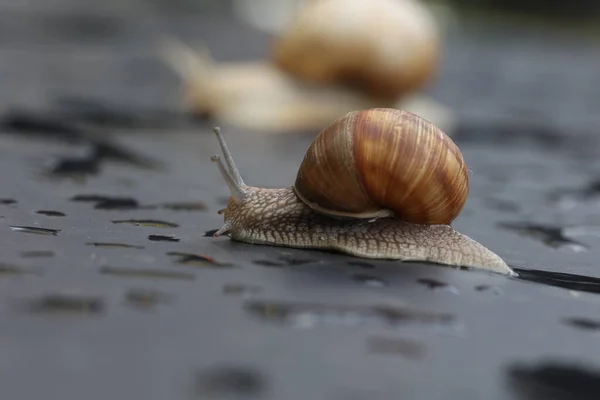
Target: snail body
282,217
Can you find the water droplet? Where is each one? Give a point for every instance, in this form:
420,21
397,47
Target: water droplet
185,206
199,260
435,284
161,238
35,230
114,245
107,202
50,213
148,223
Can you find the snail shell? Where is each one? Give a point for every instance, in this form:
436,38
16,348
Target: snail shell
384,162
386,48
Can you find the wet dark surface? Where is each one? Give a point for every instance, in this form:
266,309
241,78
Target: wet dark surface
112,286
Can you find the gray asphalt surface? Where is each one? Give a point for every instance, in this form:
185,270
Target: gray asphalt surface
111,290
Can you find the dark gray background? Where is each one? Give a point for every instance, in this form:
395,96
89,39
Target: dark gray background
96,310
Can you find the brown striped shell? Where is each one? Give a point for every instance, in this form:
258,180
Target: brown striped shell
384,162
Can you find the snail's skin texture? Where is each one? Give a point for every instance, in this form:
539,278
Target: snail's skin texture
278,217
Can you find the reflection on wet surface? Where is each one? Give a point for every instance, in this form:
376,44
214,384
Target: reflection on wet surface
560,279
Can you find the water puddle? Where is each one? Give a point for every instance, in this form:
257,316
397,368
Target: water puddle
198,260
563,280
114,245
552,236
146,273
153,223
65,304
410,349
369,280
162,238
556,380
50,213
35,230
302,315
582,323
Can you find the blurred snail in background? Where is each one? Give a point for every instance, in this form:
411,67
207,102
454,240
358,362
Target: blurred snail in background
332,57
376,183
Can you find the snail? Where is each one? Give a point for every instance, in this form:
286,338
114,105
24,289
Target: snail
376,183
257,96
385,48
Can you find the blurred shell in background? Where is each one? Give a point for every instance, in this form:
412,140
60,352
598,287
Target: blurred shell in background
385,48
